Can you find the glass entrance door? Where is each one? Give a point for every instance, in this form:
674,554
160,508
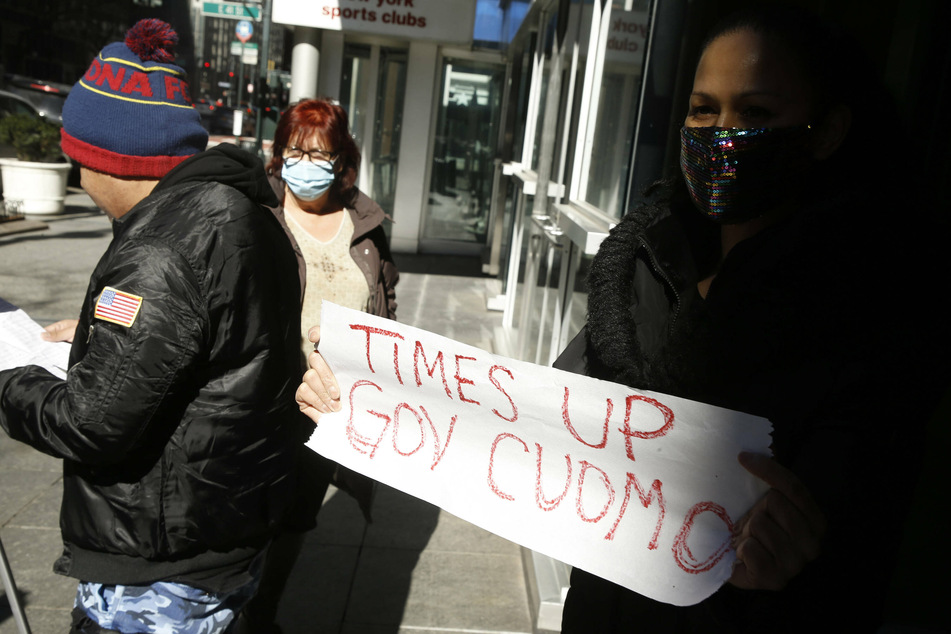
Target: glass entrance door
371,91
464,153
384,157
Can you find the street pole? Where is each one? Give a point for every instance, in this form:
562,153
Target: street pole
259,90
240,76
546,146
199,21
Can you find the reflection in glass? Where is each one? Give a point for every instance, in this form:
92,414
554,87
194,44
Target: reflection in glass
387,127
613,133
522,83
543,89
355,88
464,151
496,23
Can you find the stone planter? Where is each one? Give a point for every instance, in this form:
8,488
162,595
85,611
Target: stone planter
34,188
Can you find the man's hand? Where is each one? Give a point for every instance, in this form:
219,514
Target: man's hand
318,393
63,330
780,534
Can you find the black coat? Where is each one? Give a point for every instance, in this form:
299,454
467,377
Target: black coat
178,433
809,324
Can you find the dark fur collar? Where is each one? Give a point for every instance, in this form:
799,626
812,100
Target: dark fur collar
651,233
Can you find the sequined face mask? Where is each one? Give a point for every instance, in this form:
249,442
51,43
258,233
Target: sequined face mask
737,174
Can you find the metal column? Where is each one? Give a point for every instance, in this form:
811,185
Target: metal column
6,575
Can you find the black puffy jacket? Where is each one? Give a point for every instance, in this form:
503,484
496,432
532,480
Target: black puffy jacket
178,433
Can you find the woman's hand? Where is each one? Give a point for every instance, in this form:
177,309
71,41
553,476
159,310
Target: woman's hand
63,330
780,534
318,393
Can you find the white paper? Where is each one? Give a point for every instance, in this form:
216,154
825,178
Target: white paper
646,503
20,343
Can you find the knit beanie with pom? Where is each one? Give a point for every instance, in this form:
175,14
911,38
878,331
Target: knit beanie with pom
131,115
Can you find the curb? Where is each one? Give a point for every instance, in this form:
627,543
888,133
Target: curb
21,226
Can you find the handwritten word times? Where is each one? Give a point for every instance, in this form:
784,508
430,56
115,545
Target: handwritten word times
477,388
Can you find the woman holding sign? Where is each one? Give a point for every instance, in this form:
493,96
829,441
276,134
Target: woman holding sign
337,229
338,233
776,278
757,282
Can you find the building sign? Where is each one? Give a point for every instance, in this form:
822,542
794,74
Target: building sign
627,38
244,30
247,52
441,20
230,10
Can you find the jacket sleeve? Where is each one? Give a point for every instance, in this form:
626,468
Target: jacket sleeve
389,275
390,278
573,357
121,389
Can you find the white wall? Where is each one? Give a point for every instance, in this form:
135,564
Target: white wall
304,64
418,111
331,64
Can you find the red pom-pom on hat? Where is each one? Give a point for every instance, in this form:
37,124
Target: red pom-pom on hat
152,40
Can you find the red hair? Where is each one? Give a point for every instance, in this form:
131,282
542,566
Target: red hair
329,121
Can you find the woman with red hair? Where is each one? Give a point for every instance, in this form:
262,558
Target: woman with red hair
338,231
314,170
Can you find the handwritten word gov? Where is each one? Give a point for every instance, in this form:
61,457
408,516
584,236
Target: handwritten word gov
635,487
478,387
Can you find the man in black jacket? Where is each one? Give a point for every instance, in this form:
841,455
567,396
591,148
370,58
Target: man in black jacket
176,423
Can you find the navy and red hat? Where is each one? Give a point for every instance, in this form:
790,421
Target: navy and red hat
131,115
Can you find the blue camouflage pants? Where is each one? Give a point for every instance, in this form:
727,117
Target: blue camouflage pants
161,608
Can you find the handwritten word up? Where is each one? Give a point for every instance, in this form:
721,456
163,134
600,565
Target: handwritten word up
475,388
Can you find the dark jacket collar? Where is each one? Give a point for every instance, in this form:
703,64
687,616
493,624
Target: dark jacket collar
228,165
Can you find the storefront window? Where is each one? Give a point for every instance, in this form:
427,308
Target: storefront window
549,40
608,162
355,88
497,22
467,130
372,86
522,83
387,127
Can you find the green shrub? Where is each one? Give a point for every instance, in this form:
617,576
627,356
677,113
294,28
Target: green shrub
33,139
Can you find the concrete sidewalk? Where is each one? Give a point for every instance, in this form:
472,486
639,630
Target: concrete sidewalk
414,569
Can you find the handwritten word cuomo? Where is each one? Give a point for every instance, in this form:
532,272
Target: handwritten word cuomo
641,488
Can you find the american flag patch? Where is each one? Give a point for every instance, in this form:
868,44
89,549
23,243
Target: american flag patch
118,307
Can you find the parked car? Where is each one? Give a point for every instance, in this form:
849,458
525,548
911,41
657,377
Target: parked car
46,96
206,109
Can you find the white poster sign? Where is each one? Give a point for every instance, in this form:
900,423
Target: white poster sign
636,487
449,21
20,343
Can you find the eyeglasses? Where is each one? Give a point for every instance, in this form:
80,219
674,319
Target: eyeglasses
295,155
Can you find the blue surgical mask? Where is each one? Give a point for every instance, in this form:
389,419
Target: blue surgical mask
308,181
